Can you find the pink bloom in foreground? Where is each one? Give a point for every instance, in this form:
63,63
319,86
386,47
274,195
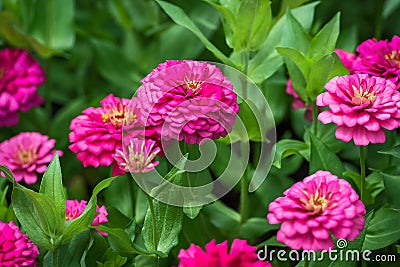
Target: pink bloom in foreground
298,102
97,133
74,209
217,255
189,101
20,75
27,154
15,248
362,107
347,59
138,156
380,58
315,207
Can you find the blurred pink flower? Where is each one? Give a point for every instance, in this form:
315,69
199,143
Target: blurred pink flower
361,106
74,209
20,75
380,58
315,207
15,248
216,255
347,59
26,154
298,102
97,133
189,101
138,156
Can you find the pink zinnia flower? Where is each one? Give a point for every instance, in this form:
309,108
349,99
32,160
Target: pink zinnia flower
20,75
189,101
380,58
312,209
138,156
216,255
362,107
298,102
74,209
347,59
97,133
15,248
26,154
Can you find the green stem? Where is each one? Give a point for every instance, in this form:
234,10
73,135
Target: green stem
245,60
54,257
153,223
362,172
315,118
244,193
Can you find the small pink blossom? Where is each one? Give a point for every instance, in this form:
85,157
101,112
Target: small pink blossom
20,75
314,208
189,101
15,248
298,102
380,58
74,209
217,255
27,154
362,107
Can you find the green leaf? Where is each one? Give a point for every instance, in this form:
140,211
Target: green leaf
252,119
192,212
383,229
318,76
71,253
52,185
295,35
297,57
392,188
393,151
255,227
324,159
252,24
84,221
324,42
287,147
98,247
180,17
222,217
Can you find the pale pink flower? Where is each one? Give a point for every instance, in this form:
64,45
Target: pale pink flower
16,249
189,101
241,254
27,154
97,133
314,208
74,209
20,75
298,102
361,106
138,156
380,58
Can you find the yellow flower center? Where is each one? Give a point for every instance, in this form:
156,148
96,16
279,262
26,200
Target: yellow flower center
193,86
394,57
117,115
361,96
26,156
316,204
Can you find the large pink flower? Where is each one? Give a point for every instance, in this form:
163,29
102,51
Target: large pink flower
189,101
15,248
74,209
26,154
315,207
216,255
380,58
20,75
362,107
97,133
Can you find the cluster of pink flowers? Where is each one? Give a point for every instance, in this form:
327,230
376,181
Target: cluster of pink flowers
20,75
179,100
27,154
241,254
74,209
15,248
314,208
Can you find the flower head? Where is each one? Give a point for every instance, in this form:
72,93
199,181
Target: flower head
20,75
15,248
188,100
216,255
362,107
138,156
97,133
74,209
315,207
297,101
380,58
27,154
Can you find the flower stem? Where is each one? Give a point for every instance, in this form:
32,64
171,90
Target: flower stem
54,257
244,193
245,62
153,223
362,172
315,117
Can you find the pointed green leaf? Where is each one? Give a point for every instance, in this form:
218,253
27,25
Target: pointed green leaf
287,147
393,151
295,35
297,57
